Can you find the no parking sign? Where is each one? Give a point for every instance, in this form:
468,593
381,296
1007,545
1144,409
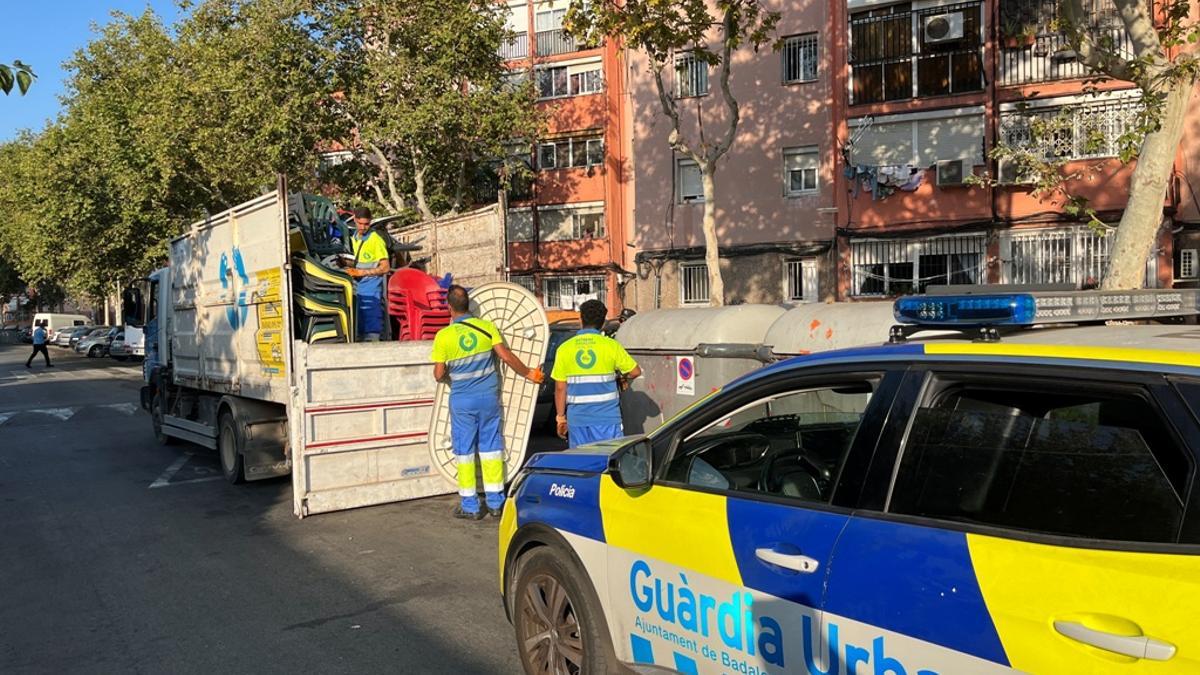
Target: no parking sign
685,376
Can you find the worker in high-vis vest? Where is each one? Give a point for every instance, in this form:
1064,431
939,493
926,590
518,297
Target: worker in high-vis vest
590,369
369,269
464,355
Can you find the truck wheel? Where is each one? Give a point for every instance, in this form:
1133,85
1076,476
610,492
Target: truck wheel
560,627
229,447
156,417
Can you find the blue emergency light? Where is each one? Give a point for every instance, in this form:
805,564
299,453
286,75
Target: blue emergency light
973,310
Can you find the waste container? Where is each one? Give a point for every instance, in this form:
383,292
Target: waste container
686,353
837,325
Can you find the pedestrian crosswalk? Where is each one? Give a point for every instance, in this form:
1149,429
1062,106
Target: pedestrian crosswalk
66,413
41,374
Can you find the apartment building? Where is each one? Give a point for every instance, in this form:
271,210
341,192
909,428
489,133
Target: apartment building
923,90
566,228
775,199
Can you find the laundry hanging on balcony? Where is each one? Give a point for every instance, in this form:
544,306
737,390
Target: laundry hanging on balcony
883,181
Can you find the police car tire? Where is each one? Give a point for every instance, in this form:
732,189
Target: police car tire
235,472
549,561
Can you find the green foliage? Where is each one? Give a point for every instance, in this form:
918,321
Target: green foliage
427,94
18,74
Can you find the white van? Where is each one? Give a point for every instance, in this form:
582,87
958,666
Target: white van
56,322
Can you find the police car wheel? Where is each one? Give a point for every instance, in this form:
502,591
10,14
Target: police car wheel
229,447
559,627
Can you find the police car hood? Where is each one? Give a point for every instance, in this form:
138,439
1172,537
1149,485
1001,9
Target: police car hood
590,458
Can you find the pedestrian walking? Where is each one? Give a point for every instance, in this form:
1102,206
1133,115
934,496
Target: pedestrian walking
39,345
369,269
464,355
590,369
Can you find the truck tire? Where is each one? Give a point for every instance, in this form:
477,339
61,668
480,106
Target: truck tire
559,625
156,418
229,448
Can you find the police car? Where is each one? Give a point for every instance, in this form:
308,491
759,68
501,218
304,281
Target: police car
998,498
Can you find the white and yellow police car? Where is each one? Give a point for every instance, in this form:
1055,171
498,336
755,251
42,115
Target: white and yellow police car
989,501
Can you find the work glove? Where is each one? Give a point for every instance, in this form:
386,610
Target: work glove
562,427
535,375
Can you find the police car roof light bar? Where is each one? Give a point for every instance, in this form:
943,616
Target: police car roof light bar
992,313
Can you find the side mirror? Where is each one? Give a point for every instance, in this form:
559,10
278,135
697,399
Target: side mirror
631,466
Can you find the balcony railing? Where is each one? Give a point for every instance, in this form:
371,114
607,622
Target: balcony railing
1031,50
551,42
515,47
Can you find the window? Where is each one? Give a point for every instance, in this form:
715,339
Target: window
800,280
1186,267
1077,256
571,292
1043,457
1034,49
589,225
693,283
551,38
691,76
525,281
948,54
552,82
800,171
788,445
688,184
902,266
1082,131
559,81
570,152
800,58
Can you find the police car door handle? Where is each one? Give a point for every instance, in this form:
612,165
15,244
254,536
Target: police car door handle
791,561
1137,646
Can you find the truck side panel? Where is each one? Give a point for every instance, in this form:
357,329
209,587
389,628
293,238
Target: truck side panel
231,316
360,424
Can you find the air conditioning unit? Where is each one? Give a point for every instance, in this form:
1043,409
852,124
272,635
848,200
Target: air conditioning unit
1007,173
952,172
946,27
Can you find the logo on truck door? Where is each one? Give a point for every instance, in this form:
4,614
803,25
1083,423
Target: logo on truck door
236,314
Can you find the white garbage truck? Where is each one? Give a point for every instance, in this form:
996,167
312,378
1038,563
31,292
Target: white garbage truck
230,367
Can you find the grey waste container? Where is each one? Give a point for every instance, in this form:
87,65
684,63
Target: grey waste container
821,327
722,343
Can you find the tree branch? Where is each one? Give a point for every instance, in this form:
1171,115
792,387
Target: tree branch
671,110
1089,53
728,34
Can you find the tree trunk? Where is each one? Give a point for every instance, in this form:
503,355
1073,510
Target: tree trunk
1138,232
712,257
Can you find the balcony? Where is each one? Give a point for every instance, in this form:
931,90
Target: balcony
1032,50
551,42
515,47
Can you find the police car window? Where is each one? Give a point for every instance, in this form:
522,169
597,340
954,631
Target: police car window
789,445
1063,462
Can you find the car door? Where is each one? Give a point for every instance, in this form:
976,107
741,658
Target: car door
720,565
1030,520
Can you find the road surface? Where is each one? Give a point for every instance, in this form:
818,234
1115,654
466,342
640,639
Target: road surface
120,555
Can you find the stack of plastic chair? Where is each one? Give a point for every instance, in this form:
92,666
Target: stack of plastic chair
324,301
417,305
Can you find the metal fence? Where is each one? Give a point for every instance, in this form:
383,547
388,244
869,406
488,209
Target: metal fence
1089,130
1032,49
515,47
1077,256
551,42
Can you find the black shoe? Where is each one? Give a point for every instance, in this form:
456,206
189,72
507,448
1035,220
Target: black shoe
28,366
496,512
467,515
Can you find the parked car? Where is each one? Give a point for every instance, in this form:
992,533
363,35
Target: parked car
117,348
80,335
96,343
64,337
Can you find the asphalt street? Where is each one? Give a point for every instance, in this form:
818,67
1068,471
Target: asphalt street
119,555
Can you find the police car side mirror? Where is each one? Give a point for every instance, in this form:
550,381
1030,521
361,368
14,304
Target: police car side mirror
631,465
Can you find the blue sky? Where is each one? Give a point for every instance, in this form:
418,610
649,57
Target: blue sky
43,34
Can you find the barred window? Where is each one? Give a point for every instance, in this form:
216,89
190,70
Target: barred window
800,280
526,281
691,76
1083,131
571,292
903,266
1034,47
1077,256
800,58
693,283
